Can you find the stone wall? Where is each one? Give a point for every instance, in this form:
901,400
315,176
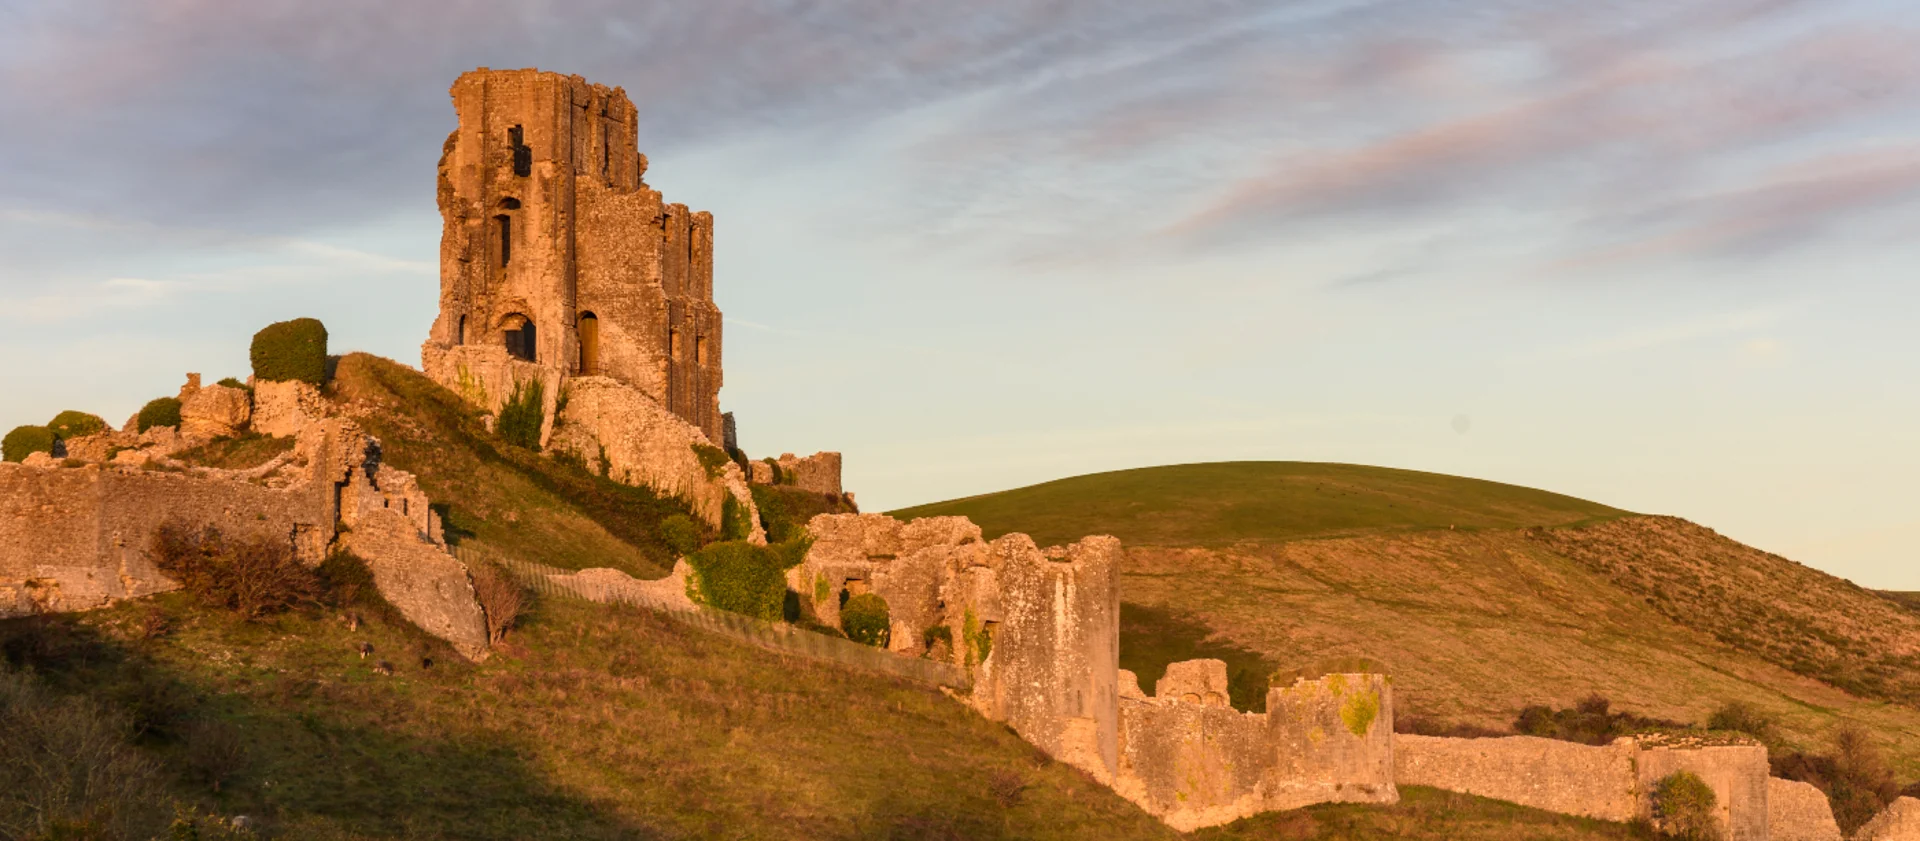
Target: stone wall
1611,782
282,409
1899,822
1189,759
1737,774
1798,811
617,430
76,538
1564,777
819,472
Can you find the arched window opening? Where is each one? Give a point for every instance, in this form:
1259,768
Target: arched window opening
589,343
460,334
606,143
520,337
700,350
504,223
522,153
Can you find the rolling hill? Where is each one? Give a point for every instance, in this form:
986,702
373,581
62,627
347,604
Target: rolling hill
1481,598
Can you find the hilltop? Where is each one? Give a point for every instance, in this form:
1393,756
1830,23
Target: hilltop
1480,598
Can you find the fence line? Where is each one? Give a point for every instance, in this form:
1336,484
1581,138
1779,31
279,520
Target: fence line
554,581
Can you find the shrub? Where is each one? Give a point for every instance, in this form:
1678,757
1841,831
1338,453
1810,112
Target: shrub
1683,807
291,350
779,476
1742,717
734,522
864,618
740,577
1591,721
520,419
253,577
24,441
784,512
160,411
233,382
978,636
72,424
682,534
214,752
500,597
70,769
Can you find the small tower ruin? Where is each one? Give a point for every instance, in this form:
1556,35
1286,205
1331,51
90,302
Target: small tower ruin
556,258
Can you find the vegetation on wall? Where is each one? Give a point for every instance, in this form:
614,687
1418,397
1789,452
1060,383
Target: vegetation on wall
712,459
734,522
291,350
740,577
865,619
784,512
160,411
978,637
72,424
682,534
1591,721
253,577
24,441
1683,807
520,419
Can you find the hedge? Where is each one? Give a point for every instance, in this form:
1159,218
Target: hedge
681,534
740,577
160,411
291,350
75,424
24,441
864,618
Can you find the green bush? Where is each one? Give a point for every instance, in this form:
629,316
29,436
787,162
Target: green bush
784,512
291,350
864,618
779,476
520,420
1683,807
24,441
160,411
233,382
740,577
734,522
72,424
979,638
1742,717
682,534
712,458
937,634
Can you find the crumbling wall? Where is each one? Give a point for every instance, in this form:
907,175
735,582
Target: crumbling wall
913,566
428,586
282,409
1564,777
1333,740
819,473
1798,811
1736,773
213,411
1192,765
1900,821
619,431
1052,674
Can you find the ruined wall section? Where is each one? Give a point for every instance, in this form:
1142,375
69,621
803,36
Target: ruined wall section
621,288
1053,674
819,473
1798,811
1564,777
1736,773
1332,740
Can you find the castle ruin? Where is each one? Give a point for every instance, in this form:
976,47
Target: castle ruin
555,253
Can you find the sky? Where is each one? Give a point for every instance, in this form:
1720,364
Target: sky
1659,254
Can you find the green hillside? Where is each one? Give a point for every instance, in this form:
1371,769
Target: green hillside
1482,598
1227,502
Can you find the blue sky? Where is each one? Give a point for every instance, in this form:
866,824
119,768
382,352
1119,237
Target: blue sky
1656,254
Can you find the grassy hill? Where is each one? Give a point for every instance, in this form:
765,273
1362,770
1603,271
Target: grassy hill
1481,598
1228,502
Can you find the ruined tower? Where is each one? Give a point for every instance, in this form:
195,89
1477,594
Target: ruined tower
556,258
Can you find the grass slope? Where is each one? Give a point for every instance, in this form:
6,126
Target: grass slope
1226,502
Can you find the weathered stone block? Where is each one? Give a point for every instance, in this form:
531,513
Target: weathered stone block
283,409
214,411
1900,821
1202,682
1798,811
428,586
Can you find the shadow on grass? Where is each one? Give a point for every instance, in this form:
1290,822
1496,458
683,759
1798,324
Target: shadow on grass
311,765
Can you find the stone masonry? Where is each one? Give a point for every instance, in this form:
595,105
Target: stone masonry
560,266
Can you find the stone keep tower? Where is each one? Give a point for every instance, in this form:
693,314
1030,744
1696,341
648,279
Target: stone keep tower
555,253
